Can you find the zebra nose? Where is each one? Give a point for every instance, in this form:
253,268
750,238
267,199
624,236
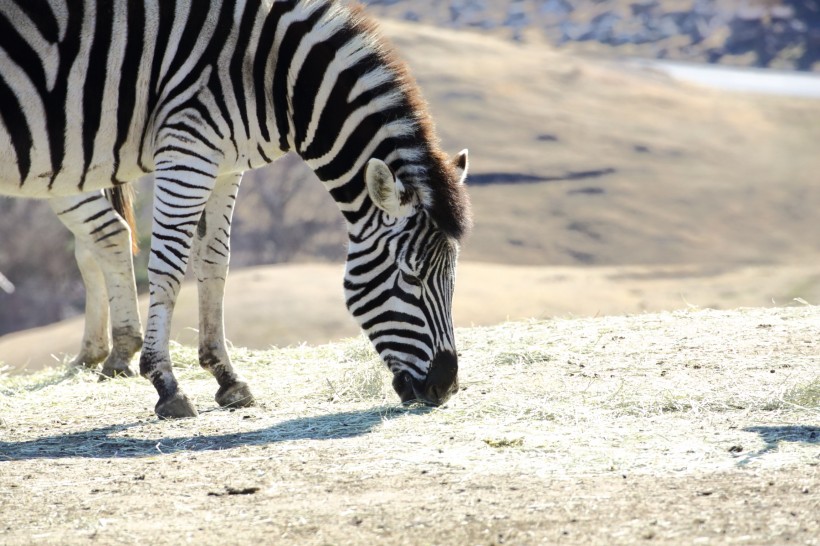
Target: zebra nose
442,379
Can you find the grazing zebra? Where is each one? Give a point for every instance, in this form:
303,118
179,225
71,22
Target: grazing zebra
96,93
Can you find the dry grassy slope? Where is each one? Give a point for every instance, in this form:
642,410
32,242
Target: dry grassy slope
293,304
683,428
699,176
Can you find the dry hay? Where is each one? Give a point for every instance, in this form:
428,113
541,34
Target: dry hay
524,384
689,398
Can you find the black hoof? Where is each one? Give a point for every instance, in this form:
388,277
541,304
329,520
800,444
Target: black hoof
237,395
114,373
177,406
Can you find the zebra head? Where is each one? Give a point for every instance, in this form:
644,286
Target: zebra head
399,283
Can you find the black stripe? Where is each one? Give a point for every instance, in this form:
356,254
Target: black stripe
263,154
294,35
161,255
95,80
80,204
127,95
160,273
12,113
263,54
39,11
194,133
372,263
337,109
311,75
186,46
170,238
108,236
392,316
219,98
358,140
407,334
165,17
206,117
403,348
183,151
56,106
104,225
238,62
384,292
96,216
216,42
22,54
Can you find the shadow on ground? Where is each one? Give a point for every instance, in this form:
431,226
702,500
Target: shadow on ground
776,435
110,442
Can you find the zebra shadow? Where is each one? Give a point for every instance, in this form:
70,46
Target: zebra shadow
773,436
107,442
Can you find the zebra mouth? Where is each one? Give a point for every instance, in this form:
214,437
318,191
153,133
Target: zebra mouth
439,385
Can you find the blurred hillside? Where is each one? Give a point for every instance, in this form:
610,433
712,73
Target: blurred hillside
574,162
763,33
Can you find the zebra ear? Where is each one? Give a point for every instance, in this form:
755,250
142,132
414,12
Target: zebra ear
462,164
386,191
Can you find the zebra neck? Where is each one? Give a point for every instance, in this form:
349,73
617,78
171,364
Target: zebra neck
341,98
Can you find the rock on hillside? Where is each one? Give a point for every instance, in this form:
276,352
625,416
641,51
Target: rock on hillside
762,33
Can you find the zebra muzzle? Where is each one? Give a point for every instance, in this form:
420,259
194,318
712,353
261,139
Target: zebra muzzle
441,382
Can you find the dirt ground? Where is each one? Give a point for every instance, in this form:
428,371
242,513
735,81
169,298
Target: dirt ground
682,428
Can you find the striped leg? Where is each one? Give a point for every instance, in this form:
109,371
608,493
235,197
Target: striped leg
183,186
94,347
103,252
210,262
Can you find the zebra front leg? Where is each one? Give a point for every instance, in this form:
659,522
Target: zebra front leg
103,252
210,262
183,186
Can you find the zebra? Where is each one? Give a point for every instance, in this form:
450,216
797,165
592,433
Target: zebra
97,93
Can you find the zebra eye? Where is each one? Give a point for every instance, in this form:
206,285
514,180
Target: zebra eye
410,279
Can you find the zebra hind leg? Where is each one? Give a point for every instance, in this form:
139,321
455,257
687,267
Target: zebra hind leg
95,344
211,254
103,244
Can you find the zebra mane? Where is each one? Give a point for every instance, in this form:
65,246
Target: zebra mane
434,176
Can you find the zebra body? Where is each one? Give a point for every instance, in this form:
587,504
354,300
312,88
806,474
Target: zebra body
96,93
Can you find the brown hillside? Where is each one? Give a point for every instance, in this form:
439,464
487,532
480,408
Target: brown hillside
635,168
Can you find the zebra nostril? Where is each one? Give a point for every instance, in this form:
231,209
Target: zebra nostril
442,381
403,385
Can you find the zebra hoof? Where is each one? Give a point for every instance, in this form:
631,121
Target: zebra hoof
237,395
115,373
178,406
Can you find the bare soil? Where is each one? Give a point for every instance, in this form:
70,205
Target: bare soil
676,428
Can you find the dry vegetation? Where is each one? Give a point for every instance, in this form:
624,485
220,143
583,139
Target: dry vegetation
691,427
293,304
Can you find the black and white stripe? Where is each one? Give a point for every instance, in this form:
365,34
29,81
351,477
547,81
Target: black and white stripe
96,93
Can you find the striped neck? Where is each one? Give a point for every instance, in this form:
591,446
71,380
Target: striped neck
341,98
